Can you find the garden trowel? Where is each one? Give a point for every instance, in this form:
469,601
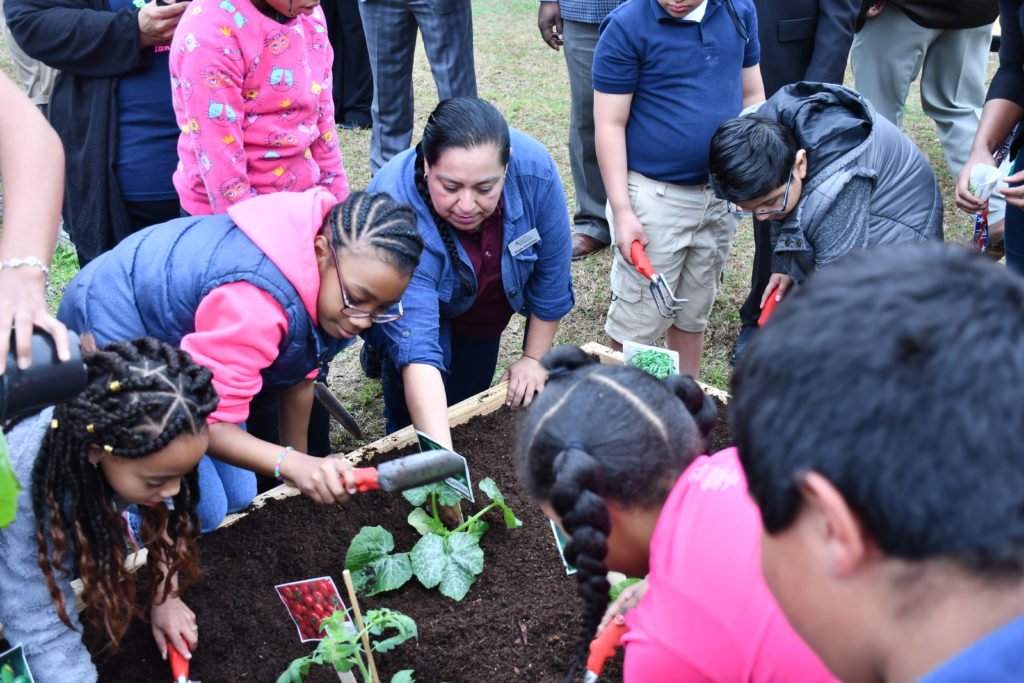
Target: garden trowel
603,647
410,471
179,665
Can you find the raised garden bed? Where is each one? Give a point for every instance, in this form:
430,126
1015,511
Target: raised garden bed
519,621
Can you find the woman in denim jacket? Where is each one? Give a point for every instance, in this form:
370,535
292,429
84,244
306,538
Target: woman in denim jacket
497,241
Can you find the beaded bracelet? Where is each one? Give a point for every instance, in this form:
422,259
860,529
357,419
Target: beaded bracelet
30,261
277,467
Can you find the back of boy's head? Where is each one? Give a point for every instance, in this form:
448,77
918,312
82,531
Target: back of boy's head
376,221
750,156
897,375
601,432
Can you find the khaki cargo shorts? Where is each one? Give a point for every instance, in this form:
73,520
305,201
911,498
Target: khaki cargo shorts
690,234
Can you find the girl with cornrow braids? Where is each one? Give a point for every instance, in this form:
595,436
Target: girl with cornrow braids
132,437
614,456
492,212
262,295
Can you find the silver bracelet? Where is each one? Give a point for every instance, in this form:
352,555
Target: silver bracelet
30,261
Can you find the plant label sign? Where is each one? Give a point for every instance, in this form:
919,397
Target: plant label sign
14,668
561,540
651,359
311,601
461,483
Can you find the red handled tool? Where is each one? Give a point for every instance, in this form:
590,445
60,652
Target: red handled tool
769,308
666,302
410,471
603,647
179,665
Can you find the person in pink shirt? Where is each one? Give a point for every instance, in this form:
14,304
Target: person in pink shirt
251,86
614,456
262,296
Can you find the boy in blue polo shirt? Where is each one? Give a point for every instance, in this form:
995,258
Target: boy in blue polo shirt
667,73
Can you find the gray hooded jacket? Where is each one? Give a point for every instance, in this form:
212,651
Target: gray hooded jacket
867,183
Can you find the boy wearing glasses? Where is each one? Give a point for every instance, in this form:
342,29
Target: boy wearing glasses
829,173
666,74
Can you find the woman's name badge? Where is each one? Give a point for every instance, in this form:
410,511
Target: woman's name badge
523,242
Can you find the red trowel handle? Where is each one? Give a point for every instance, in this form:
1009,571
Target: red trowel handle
640,260
603,647
366,479
179,665
769,308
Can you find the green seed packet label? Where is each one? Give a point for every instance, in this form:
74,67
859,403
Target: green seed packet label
14,668
461,483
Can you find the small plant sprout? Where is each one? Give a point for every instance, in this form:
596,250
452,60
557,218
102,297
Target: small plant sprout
341,647
447,559
654,362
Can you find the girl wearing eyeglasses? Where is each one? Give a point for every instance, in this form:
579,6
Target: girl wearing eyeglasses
261,306
491,209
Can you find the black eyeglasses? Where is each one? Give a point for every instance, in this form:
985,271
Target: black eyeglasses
351,311
737,211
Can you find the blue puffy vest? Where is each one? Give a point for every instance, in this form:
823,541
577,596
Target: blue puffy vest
152,283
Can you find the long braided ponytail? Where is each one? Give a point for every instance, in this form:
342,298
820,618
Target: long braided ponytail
141,395
460,123
375,220
605,433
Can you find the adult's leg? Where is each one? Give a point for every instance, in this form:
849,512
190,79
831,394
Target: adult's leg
953,89
213,503
447,30
761,271
589,219
887,56
472,368
353,79
391,43
1014,230
144,214
239,485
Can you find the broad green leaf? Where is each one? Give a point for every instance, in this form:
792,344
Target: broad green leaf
296,671
404,676
429,559
464,560
371,543
615,591
446,495
488,486
424,523
390,572
477,529
9,487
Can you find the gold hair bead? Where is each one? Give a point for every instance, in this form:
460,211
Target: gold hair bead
115,386
90,428
54,424
108,448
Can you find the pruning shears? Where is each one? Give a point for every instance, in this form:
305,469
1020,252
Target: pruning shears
603,647
179,665
666,302
410,471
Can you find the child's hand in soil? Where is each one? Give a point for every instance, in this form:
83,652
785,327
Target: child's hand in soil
526,378
173,622
325,480
626,601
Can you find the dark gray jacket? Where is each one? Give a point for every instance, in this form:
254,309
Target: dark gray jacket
867,183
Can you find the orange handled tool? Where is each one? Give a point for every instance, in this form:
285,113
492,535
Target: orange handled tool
179,665
769,309
666,302
410,471
603,647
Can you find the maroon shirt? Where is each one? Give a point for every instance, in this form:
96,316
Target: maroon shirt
489,315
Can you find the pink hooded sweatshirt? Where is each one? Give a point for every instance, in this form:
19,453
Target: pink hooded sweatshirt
239,327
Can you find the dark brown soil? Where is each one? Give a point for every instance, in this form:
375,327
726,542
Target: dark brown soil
518,622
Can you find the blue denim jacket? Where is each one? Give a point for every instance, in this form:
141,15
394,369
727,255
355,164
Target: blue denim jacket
537,280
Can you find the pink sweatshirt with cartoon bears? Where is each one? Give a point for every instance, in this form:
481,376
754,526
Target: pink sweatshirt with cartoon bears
252,97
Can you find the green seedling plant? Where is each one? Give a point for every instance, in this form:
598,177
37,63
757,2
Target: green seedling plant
7,675
342,646
446,559
653,362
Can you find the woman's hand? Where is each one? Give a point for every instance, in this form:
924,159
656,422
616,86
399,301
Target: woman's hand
627,600
1014,195
964,199
174,623
778,281
325,480
22,307
157,22
526,378
628,229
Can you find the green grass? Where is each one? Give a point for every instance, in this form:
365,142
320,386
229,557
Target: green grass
527,81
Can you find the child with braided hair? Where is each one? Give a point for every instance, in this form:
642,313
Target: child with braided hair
262,307
492,212
133,436
613,455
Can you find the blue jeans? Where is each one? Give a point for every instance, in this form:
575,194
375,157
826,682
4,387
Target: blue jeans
471,371
1014,231
223,488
